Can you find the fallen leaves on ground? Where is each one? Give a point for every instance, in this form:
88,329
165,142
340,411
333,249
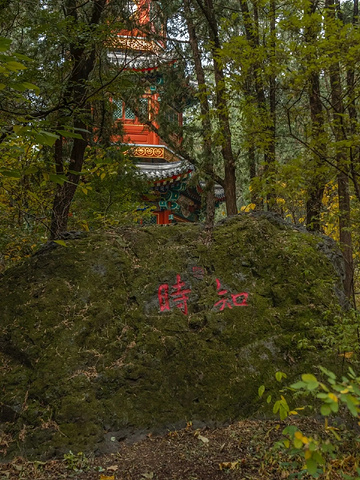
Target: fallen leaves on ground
241,451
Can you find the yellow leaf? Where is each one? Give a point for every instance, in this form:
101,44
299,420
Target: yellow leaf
299,436
333,397
85,226
250,207
228,465
346,354
60,242
307,454
105,477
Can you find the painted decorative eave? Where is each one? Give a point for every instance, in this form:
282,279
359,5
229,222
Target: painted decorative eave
167,167
141,60
154,152
161,173
138,43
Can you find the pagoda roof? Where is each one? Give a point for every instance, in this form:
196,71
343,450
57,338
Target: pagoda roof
165,172
160,165
149,58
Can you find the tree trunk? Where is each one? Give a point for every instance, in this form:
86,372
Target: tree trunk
222,109
205,120
265,111
252,85
342,164
352,94
65,193
318,181
84,59
271,141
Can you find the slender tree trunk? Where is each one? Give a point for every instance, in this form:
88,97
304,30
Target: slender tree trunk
351,85
252,88
221,107
342,163
205,119
267,112
271,149
318,181
65,193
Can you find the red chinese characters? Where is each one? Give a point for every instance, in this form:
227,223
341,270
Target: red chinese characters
179,296
226,302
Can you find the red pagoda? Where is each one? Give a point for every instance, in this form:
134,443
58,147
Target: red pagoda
142,48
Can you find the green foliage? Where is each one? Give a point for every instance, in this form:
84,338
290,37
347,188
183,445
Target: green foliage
76,462
9,70
332,397
107,197
15,93
342,335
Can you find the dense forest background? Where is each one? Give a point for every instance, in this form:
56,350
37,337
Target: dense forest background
269,91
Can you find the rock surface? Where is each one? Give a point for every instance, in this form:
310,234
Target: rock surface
117,334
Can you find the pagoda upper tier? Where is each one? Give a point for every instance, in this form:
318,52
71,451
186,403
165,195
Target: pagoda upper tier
141,44
141,47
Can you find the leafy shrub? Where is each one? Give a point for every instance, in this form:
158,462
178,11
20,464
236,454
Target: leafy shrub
316,455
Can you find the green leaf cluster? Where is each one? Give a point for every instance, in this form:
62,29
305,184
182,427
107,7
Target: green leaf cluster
335,397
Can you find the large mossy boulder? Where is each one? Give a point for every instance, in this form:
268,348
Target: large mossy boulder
142,328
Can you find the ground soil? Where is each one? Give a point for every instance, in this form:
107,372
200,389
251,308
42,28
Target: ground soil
244,451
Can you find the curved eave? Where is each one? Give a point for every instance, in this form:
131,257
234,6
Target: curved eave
141,61
173,179
164,173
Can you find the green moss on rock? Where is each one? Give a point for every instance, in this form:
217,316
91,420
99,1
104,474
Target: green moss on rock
86,352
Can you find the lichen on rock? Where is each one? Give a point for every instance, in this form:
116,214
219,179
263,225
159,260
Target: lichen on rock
149,327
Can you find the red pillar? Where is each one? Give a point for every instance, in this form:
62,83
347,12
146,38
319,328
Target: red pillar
163,217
